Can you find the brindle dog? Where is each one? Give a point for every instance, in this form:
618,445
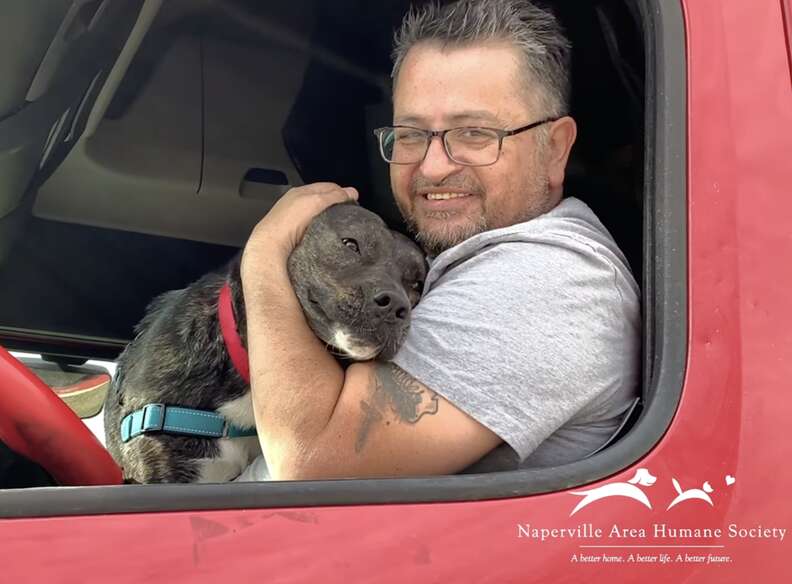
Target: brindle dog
356,281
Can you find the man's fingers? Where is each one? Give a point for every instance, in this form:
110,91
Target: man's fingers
319,187
284,225
324,189
323,200
325,195
346,193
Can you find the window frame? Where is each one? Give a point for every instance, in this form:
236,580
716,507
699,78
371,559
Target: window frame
665,278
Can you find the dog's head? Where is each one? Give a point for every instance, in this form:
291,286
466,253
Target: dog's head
357,281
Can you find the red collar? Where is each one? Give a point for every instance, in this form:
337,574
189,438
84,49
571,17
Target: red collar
228,328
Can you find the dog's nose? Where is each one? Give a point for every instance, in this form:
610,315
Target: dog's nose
388,304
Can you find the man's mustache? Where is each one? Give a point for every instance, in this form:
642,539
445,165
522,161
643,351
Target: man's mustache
420,184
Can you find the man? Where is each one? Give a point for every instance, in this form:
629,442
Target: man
524,349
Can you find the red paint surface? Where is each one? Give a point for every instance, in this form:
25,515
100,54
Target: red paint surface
786,9
733,418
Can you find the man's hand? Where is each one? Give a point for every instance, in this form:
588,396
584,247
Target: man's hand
282,228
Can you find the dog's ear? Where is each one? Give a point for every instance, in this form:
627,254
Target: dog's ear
402,239
411,248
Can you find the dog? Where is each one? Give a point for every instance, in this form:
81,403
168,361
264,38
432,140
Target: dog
180,408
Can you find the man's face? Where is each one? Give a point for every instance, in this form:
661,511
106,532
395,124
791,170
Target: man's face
471,86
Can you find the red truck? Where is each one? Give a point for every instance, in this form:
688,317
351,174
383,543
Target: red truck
125,124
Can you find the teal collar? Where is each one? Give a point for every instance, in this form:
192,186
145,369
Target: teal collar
177,420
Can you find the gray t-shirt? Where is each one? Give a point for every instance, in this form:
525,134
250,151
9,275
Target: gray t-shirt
534,331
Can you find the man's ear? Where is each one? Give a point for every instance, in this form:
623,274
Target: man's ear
561,137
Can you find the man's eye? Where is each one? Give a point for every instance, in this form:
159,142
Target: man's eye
410,136
351,244
475,134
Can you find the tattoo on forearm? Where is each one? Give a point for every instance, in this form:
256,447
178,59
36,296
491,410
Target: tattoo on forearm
394,391
408,398
370,416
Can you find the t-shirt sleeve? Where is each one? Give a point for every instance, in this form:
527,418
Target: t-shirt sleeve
523,337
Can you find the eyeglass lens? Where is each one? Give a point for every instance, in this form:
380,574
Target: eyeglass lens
471,146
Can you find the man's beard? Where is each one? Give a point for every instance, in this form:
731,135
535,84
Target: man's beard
438,240
445,236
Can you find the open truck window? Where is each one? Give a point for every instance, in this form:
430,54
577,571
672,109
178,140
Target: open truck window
141,141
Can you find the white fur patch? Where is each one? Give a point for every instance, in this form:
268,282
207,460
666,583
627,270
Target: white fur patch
351,346
239,411
234,457
235,453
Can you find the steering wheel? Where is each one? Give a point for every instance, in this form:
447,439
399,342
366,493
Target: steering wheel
35,423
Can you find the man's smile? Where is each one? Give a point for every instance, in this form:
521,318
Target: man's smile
441,200
445,196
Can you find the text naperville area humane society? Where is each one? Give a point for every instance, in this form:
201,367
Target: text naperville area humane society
587,531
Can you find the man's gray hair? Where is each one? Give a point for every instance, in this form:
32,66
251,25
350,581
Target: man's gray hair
533,31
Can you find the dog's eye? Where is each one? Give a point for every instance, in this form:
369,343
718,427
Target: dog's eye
351,244
417,285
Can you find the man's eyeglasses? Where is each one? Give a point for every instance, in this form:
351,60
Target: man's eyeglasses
470,146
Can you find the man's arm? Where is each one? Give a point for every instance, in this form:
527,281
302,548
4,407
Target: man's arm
317,421
387,423
314,419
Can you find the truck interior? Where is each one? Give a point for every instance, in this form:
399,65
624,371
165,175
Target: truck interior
141,141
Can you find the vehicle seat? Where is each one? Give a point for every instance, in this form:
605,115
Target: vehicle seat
54,57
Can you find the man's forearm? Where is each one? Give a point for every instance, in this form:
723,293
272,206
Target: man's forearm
295,382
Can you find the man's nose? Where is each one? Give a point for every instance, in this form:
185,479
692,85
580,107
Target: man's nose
436,165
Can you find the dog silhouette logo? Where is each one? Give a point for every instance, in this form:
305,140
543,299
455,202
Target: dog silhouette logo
632,490
702,494
629,489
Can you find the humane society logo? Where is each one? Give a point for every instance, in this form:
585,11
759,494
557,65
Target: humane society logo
636,489
632,491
